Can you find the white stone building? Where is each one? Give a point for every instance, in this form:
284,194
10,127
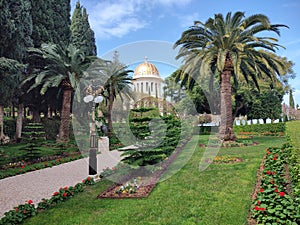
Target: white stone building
147,81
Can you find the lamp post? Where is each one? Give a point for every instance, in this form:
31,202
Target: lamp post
94,95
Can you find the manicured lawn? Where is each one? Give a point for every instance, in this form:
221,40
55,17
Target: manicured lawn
219,195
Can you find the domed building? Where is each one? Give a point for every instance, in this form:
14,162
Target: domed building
147,81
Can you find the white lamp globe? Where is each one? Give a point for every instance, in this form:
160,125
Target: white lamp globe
88,98
98,99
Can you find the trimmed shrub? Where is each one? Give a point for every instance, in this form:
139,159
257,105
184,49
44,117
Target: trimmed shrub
272,128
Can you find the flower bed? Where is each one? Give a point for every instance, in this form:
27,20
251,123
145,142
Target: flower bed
273,200
146,183
21,167
24,211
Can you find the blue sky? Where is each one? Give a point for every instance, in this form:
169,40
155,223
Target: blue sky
122,23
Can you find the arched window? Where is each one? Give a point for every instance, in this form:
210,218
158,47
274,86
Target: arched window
137,87
147,87
151,86
142,87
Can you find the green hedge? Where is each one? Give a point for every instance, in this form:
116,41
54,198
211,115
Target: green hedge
261,128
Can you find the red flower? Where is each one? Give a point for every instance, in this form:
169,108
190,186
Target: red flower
261,190
258,202
88,178
65,194
276,190
17,209
273,172
23,167
281,194
268,172
24,211
55,193
274,158
65,188
259,208
30,202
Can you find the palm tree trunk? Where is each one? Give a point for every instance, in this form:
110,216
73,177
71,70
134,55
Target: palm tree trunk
1,122
19,122
226,126
36,116
64,129
110,107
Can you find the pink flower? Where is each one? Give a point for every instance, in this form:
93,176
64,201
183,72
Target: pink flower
17,209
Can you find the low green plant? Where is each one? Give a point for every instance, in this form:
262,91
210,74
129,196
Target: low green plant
273,204
19,213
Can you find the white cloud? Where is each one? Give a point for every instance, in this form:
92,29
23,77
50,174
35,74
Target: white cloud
118,17
115,18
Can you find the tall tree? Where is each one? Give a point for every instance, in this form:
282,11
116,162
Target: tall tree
51,22
291,99
230,48
118,83
16,29
15,38
83,36
64,69
10,70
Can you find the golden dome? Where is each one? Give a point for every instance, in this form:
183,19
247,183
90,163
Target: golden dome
146,69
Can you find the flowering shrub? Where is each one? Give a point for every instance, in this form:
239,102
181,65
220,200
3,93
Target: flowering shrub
21,212
88,181
21,167
273,204
129,187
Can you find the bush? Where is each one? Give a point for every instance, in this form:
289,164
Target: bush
272,128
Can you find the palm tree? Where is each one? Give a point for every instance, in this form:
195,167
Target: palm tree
118,83
225,48
64,68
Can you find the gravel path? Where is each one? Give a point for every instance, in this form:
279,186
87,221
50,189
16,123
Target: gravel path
42,183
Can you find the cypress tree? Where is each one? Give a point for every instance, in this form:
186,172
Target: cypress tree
16,29
291,100
51,22
83,37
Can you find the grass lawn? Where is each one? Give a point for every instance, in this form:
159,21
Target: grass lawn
219,195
